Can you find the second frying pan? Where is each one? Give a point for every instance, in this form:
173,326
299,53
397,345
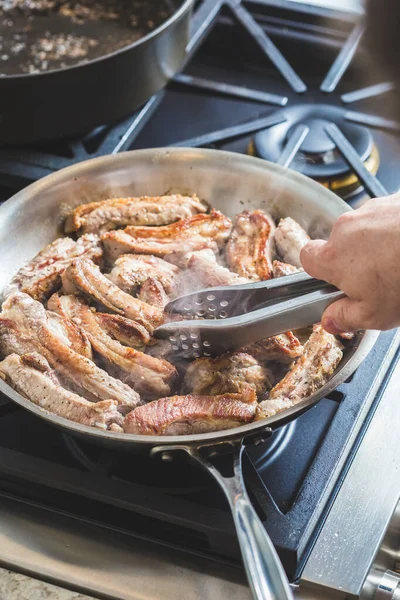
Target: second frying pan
72,100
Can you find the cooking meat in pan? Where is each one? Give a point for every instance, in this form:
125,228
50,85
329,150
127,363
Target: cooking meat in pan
77,321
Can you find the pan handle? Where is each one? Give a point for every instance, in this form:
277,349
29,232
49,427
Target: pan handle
264,570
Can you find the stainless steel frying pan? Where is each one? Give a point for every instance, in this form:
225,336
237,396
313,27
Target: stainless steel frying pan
231,183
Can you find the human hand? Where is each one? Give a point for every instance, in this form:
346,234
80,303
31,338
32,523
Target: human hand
361,258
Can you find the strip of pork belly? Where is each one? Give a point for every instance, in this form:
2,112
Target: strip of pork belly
132,270
251,247
203,271
281,269
32,377
230,373
69,334
84,277
149,376
322,354
41,277
180,415
152,292
282,348
290,238
124,330
31,329
115,213
196,233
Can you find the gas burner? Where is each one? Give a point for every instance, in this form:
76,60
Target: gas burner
318,156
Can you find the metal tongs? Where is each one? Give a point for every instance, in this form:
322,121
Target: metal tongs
223,318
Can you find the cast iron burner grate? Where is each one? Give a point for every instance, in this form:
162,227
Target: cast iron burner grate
290,56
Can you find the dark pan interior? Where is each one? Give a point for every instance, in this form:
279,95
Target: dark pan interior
43,35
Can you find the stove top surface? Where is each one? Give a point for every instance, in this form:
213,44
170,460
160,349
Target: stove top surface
291,83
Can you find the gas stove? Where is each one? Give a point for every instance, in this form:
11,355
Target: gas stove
291,84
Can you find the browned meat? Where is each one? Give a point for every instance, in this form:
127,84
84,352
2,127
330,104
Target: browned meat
322,354
196,233
149,376
290,237
119,328
180,415
118,212
236,373
69,334
84,277
124,330
281,269
131,271
251,246
152,292
32,377
203,271
283,348
42,275
30,332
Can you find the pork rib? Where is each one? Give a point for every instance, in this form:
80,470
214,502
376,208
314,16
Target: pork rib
30,331
290,238
281,269
322,354
32,377
69,334
114,213
180,415
196,233
84,277
250,248
132,270
231,373
149,376
283,348
203,271
42,275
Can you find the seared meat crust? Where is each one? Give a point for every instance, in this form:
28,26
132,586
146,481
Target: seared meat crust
250,248
283,348
181,415
32,377
132,270
196,233
281,269
84,277
41,277
24,328
322,354
150,377
114,213
237,373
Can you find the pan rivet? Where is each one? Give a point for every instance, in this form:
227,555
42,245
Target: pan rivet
258,441
167,457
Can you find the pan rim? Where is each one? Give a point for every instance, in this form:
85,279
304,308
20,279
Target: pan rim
176,16
342,373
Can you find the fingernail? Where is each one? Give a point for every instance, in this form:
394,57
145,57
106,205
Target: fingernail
330,326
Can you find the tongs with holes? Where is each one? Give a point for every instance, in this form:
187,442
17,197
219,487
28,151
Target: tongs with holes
227,318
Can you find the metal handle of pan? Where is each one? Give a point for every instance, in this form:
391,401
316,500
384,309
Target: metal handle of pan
265,573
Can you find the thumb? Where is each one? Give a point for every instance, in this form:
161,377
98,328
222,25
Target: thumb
342,316
312,260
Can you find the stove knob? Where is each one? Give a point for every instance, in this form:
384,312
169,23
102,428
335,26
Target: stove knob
389,587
